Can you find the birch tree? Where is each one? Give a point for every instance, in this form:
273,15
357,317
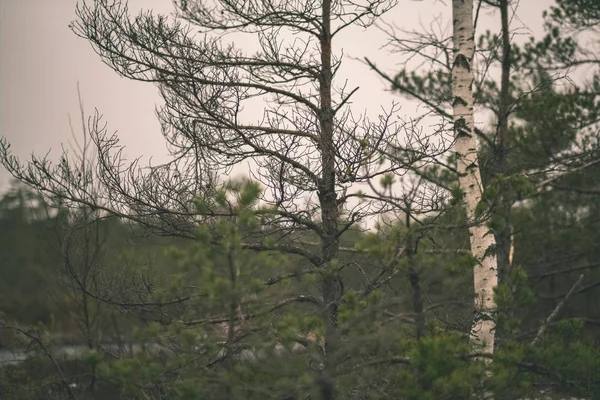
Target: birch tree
485,276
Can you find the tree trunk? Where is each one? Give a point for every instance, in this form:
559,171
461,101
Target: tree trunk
414,278
485,276
503,233
233,310
331,286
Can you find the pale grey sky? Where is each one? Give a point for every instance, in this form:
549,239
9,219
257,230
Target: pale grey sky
41,61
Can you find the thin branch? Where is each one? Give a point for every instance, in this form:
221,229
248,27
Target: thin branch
382,361
545,182
277,279
564,271
555,312
315,260
244,317
49,355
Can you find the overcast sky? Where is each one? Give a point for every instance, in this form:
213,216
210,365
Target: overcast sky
41,61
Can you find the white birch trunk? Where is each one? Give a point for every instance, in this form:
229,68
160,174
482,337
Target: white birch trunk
485,272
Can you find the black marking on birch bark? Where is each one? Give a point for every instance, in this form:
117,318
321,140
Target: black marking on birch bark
490,251
461,61
459,101
460,127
